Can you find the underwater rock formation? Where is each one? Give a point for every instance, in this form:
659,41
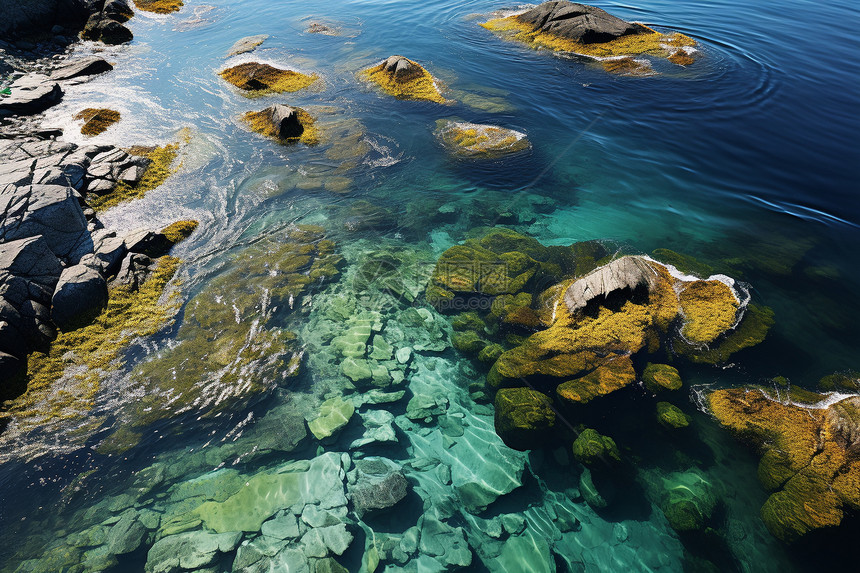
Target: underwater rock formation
661,377
246,44
566,321
589,31
475,140
404,79
523,417
259,79
810,447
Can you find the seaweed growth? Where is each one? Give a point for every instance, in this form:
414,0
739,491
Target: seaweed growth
256,79
159,6
404,79
97,120
160,168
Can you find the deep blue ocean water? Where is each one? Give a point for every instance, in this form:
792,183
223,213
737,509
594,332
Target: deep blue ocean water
748,155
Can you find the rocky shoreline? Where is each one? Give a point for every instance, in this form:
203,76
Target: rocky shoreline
58,262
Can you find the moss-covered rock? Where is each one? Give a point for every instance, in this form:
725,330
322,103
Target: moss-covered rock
284,124
611,376
661,377
404,79
468,342
710,309
688,500
752,330
809,456
684,263
591,448
671,417
255,79
523,417
840,382
479,141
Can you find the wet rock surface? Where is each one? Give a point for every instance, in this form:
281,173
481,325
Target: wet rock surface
578,22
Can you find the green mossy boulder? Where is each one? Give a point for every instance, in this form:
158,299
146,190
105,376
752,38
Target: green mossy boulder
468,342
688,500
590,448
661,377
671,417
523,417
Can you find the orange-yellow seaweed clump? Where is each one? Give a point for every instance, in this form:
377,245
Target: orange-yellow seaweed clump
409,81
810,455
262,79
710,308
96,121
159,6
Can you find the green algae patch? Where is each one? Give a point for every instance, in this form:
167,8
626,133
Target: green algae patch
159,6
81,357
256,79
652,43
97,120
260,122
523,416
671,417
810,456
415,83
660,377
160,168
228,348
590,448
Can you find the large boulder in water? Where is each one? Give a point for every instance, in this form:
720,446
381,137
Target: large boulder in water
578,22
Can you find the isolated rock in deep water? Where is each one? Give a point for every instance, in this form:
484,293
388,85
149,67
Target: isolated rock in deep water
579,22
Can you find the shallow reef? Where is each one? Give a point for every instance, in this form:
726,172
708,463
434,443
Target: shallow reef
404,79
809,448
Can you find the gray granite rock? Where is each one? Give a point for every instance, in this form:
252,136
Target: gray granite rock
79,68
379,484
30,95
81,294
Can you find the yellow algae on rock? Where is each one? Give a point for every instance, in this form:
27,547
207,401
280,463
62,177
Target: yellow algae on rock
810,454
627,66
474,140
96,121
404,79
81,357
710,309
613,375
263,123
260,79
160,168
651,42
159,6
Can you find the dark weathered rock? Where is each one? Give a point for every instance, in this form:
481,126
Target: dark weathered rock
101,27
578,22
18,17
81,294
29,271
30,95
118,10
402,68
134,271
79,68
13,376
286,121
48,210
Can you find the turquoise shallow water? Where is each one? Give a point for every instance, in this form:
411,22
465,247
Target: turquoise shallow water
747,156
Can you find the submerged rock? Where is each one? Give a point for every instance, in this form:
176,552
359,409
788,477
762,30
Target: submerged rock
810,454
159,6
590,448
379,485
524,417
404,79
247,44
474,140
335,413
661,377
688,500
